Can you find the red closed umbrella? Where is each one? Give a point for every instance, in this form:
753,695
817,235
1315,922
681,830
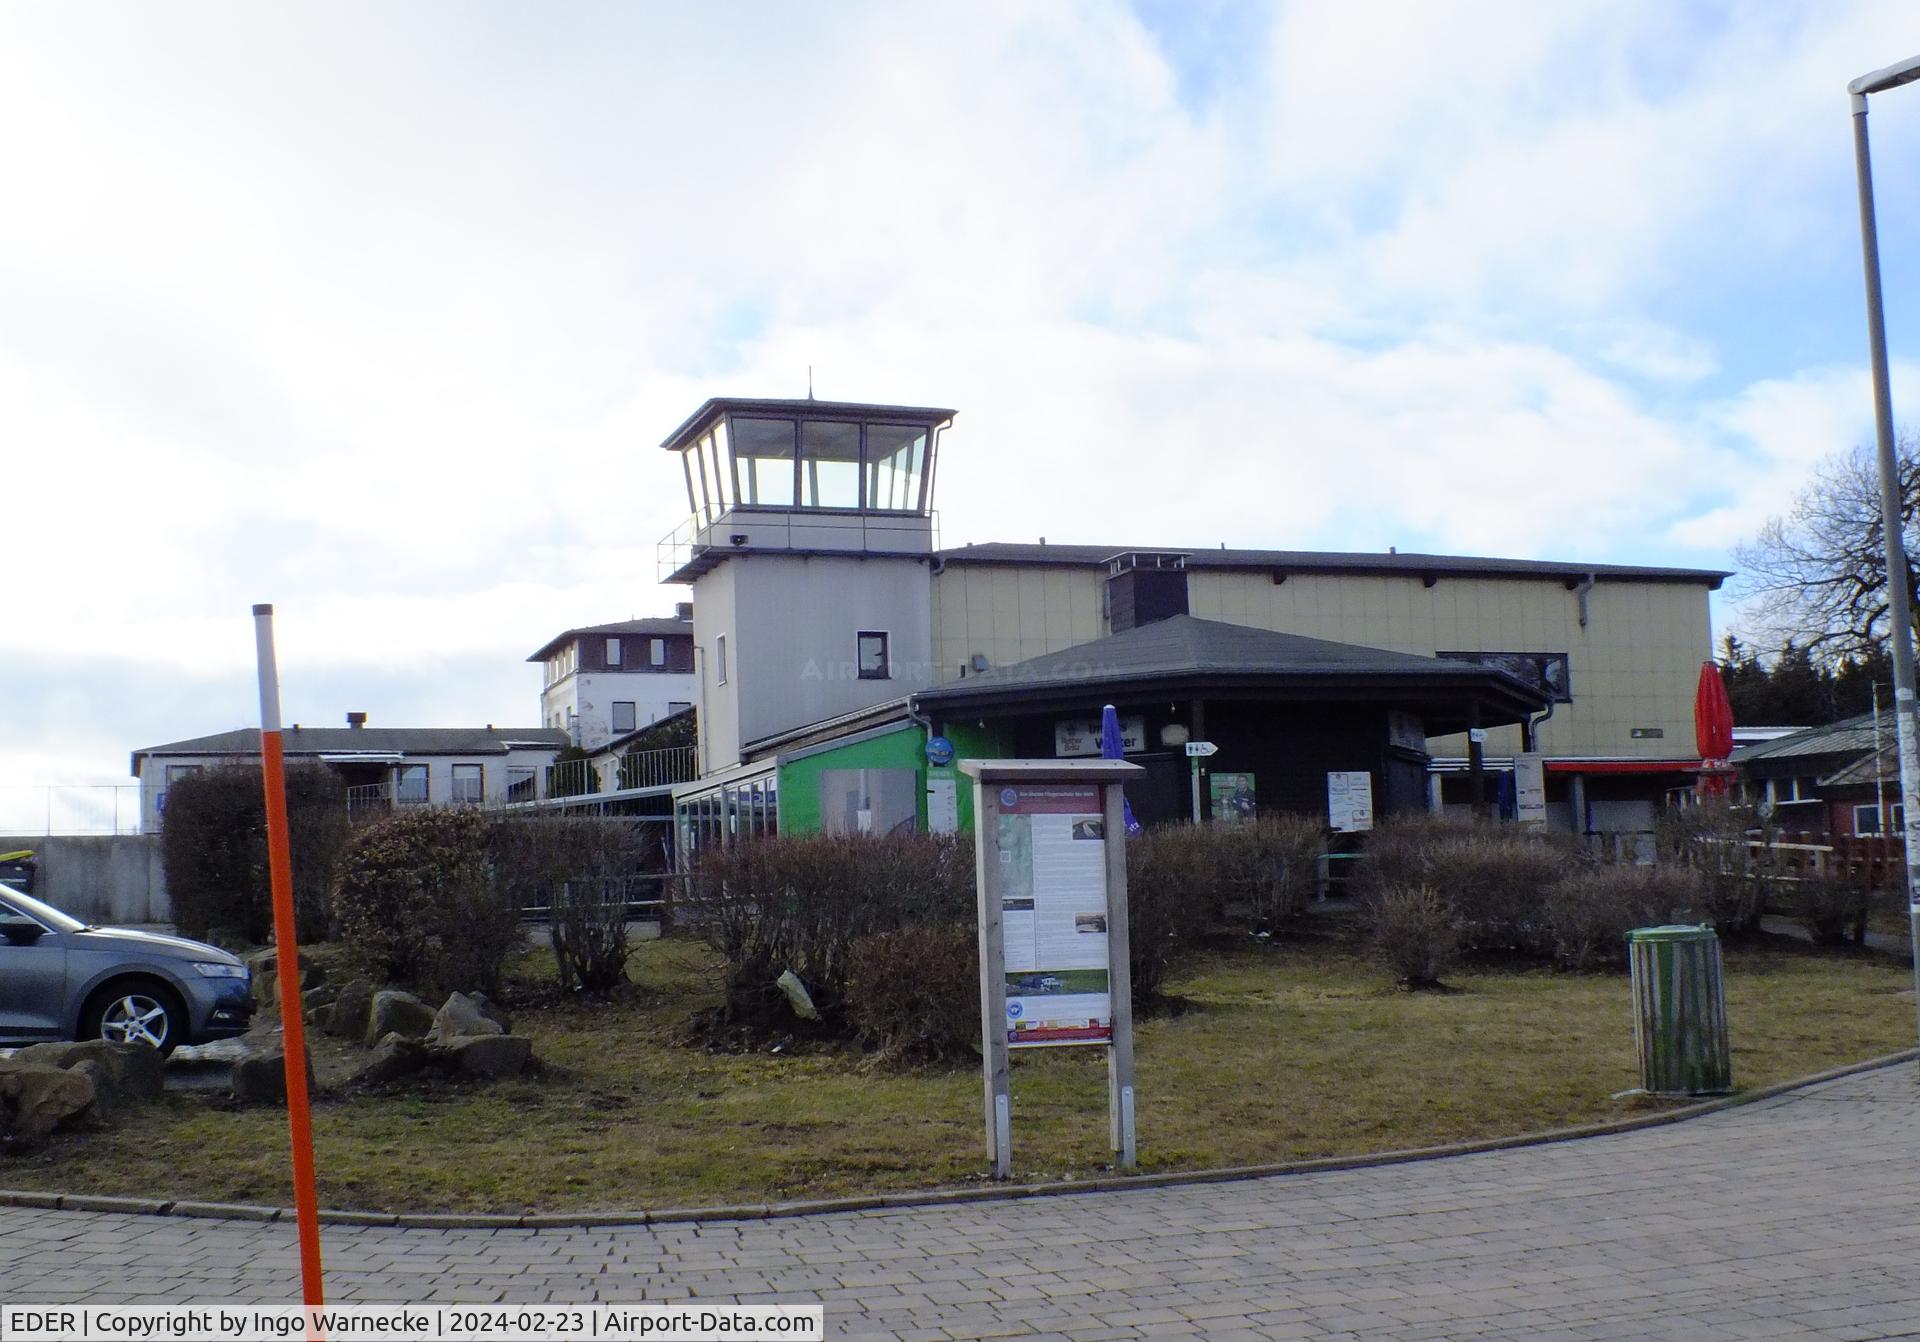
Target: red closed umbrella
1712,729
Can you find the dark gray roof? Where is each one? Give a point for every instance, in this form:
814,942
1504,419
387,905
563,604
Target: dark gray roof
1323,561
1185,649
696,423
1849,736
661,626
372,740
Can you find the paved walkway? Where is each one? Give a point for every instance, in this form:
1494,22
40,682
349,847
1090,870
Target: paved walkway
1798,1217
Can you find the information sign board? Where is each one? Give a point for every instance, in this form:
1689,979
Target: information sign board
1350,801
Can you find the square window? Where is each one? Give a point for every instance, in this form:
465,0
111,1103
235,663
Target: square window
623,716
678,705
871,655
469,783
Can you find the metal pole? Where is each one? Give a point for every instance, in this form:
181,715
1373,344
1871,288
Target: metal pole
287,966
1899,606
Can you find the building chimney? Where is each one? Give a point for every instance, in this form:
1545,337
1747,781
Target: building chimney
683,610
356,720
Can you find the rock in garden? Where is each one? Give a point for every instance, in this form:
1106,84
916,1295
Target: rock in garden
266,974
107,1097
136,1073
493,1012
351,1010
494,1055
396,1012
461,1018
393,1057
261,1078
36,1099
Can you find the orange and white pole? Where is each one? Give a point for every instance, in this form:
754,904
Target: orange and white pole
287,960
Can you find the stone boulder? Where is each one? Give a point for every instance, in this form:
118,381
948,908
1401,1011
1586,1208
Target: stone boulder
490,1056
461,1018
36,1099
493,1012
260,1076
266,976
394,1058
135,1074
351,1011
396,1012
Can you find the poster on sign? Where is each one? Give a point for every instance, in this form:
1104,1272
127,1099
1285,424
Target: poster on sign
1052,843
1350,801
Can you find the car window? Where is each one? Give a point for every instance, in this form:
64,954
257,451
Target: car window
13,903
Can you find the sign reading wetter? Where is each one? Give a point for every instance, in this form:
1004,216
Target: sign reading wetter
1051,845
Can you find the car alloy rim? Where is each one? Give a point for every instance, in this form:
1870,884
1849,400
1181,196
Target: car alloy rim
135,1019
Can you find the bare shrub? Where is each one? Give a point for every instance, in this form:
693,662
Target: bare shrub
914,993
800,903
1590,912
1494,878
1711,841
1271,865
1833,911
1416,932
585,872
1175,877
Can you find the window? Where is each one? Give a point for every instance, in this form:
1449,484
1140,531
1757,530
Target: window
622,716
520,784
656,652
1866,819
409,784
896,460
763,459
720,659
678,706
176,772
613,652
871,649
829,465
469,783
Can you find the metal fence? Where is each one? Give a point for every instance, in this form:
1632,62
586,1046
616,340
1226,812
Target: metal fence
70,808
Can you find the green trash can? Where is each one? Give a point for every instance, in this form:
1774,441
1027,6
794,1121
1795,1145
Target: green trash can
1679,1011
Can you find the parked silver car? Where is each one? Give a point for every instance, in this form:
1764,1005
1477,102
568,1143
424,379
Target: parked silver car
62,979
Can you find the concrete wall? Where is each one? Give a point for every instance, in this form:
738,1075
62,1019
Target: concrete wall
107,879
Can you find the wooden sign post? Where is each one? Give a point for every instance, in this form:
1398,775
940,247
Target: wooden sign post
1050,842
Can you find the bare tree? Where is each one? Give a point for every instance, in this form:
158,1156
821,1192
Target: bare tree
1818,576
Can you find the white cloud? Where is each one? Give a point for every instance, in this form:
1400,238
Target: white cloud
379,314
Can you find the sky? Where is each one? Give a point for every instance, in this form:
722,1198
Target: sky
379,313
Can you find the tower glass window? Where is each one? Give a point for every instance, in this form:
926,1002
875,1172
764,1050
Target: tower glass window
763,457
896,464
829,464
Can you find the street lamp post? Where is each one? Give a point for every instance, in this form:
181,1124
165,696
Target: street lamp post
1899,604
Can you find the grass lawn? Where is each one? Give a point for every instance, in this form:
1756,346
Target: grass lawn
1287,1052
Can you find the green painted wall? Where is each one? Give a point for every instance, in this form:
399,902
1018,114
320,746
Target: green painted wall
902,749
800,780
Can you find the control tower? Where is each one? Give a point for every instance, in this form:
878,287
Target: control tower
807,548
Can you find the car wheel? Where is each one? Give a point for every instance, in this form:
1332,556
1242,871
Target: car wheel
137,1013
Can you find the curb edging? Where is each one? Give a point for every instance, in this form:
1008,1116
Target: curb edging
941,1197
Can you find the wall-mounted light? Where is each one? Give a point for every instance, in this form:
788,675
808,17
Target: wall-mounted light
738,538
1174,734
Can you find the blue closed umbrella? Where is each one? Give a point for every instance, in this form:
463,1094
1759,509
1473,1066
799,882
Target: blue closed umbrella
1111,748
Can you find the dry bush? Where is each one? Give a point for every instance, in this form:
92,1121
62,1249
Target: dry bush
1416,933
1176,874
585,872
1495,878
1831,910
1711,841
1590,912
1272,866
914,993
799,903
